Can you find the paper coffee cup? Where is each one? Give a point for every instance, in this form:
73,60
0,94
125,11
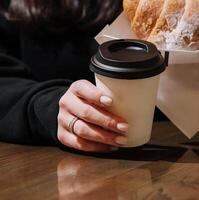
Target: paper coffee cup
129,71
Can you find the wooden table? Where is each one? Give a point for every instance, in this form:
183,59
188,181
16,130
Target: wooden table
165,169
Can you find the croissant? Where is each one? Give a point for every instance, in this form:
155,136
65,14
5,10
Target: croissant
146,16
130,7
169,18
186,35
171,24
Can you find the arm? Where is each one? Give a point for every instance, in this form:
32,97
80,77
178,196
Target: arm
28,109
39,113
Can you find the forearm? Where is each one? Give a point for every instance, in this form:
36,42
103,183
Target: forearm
29,110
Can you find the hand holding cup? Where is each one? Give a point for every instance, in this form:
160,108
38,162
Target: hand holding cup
94,128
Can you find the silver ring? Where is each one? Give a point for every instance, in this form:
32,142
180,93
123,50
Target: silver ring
72,123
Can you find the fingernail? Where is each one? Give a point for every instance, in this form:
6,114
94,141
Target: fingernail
122,127
121,140
106,100
114,148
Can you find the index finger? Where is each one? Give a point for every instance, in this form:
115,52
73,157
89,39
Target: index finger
89,92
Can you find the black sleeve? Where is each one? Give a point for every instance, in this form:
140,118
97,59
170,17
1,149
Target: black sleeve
28,109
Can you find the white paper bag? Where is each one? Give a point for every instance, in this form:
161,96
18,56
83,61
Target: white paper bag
178,95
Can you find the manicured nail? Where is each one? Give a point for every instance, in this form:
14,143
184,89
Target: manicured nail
121,140
106,100
122,127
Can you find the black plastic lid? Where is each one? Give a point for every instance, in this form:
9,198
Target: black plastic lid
127,59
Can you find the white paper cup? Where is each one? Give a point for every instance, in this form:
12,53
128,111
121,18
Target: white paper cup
135,101
129,71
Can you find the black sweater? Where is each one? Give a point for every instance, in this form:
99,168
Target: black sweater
34,74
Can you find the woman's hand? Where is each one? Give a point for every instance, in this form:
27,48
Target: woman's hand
96,130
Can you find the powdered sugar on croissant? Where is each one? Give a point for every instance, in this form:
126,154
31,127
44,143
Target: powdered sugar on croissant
169,19
186,35
171,24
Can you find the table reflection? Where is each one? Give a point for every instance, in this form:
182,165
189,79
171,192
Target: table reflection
75,181
94,178
182,185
